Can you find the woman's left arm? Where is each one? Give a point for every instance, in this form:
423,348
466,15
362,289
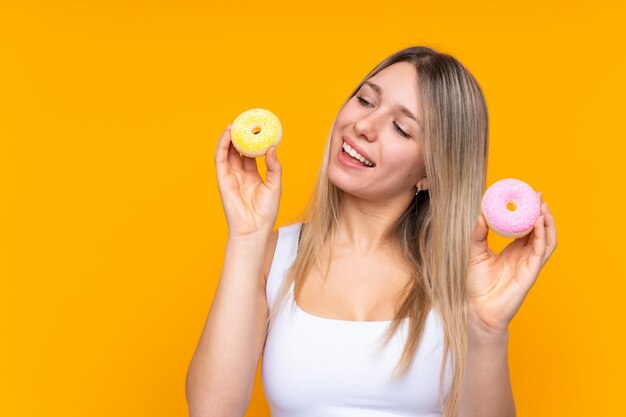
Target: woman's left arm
497,284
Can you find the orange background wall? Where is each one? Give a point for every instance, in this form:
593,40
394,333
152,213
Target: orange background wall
111,229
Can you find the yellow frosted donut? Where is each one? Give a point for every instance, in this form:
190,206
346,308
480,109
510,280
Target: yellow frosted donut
254,131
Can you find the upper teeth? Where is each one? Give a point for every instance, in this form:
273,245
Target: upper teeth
356,155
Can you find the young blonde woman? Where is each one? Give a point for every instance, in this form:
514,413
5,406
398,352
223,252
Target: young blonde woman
397,305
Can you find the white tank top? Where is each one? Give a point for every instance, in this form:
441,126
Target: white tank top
314,366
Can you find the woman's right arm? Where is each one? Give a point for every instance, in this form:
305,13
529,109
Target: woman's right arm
221,374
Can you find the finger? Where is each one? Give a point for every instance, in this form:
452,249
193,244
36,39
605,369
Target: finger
479,237
551,239
274,171
527,238
249,164
234,158
221,152
538,240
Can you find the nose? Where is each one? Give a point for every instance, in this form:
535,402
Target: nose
367,126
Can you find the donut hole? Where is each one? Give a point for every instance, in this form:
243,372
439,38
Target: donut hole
256,130
511,206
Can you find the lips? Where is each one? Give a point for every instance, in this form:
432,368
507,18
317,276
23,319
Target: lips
357,148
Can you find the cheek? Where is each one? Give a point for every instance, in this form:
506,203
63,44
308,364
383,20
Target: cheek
405,165
347,113
341,119
341,122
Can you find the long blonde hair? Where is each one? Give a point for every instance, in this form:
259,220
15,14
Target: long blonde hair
433,234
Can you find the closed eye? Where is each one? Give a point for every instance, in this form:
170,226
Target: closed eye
400,131
363,102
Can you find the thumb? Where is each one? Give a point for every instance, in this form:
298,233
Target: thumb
479,237
274,171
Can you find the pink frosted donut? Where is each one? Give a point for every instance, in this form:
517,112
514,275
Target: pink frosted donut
511,208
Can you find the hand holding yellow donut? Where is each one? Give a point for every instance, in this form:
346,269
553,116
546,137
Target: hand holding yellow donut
250,205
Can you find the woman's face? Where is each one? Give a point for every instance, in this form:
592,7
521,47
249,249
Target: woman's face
374,124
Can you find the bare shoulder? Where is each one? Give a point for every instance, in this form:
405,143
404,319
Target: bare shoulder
269,255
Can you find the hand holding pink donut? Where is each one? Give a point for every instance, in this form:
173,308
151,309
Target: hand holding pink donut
497,284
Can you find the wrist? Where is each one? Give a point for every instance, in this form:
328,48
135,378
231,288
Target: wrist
260,236
246,253
479,337
481,333
251,247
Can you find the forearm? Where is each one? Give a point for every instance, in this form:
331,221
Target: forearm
486,389
225,360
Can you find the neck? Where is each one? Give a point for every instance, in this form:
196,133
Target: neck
364,226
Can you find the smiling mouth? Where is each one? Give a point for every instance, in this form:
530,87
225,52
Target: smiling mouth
347,149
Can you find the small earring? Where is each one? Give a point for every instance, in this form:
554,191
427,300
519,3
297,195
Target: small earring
418,190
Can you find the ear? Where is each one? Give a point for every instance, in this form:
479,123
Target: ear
423,184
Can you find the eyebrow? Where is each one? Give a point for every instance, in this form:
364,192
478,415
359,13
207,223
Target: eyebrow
402,108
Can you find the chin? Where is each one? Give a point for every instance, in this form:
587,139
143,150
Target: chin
336,180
